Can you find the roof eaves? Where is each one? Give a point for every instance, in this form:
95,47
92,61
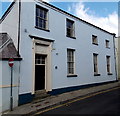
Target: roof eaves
15,59
78,18
7,11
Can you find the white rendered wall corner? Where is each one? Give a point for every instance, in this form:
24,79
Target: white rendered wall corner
10,23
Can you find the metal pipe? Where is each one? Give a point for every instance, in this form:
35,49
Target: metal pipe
11,96
19,28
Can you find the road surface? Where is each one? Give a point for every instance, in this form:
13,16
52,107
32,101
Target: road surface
102,103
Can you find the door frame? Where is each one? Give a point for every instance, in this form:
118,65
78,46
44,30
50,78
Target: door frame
48,72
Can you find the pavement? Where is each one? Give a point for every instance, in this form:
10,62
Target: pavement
42,104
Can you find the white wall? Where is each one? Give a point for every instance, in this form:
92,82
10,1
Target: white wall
10,24
5,85
118,56
83,46
0,84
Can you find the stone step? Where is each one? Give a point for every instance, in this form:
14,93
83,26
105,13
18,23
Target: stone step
40,92
39,95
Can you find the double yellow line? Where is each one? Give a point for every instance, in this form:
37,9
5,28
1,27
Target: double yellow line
65,104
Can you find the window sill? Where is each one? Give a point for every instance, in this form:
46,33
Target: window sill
42,29
110,74
72,75
95,44
96,74
71,37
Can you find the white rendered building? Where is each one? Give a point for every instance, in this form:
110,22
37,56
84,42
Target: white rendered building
60,52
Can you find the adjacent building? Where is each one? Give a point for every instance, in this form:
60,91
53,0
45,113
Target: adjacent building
117,43
60,52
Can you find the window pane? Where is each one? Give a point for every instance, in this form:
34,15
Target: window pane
40,23
108,63
41,13
107,43
39,59
37,12
95,63
70,28
94,39
70,61
41,17
37,22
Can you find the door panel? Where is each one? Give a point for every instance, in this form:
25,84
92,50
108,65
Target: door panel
39,77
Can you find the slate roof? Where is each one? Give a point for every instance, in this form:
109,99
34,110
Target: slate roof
7,47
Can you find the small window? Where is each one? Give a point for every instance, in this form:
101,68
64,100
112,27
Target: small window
108,64
107,43
70,31
94,40
70,61
39,59
41,18
95,63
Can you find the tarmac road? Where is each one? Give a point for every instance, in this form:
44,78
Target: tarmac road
107,102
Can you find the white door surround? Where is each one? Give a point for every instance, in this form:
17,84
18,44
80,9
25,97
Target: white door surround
42,47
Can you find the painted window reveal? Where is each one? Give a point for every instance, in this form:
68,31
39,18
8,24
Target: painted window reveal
70,30
95,62
107,43
108,64
70,61
41,18
39,59
94,39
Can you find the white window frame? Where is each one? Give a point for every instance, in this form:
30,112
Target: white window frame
72,61
107,43
95,64
94,39
72,30
108,64
41,18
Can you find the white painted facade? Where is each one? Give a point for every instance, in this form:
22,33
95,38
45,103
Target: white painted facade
82,44
10,23
54,45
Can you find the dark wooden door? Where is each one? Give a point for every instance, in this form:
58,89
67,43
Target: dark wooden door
39,72
39,77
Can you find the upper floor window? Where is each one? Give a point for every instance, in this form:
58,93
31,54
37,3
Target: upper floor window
107,43
70,30
41,18
94,40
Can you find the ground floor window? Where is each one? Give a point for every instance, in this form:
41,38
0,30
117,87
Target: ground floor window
95,63
108,63
70,61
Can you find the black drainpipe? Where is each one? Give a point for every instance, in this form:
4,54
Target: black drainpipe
19,28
